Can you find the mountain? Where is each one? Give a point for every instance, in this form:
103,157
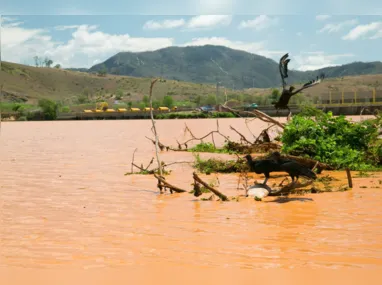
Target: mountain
210,64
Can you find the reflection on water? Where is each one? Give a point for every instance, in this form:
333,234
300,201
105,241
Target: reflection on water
65,202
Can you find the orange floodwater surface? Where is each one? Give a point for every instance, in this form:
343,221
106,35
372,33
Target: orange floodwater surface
66,205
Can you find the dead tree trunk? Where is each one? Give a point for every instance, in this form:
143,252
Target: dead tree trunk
154,128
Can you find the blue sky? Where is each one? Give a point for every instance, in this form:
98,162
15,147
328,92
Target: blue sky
190,7
83,40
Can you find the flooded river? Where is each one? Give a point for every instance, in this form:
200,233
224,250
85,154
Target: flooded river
66,203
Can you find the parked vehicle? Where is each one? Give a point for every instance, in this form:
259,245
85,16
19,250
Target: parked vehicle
207,108
250,107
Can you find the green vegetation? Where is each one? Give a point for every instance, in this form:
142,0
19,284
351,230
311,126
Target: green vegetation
192,115
210,147
15,107
334,140
213,165
77,89
168,101
49,109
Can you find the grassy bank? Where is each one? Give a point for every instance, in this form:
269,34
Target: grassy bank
194,115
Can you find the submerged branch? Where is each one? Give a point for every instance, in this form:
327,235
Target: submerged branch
213,190
162,183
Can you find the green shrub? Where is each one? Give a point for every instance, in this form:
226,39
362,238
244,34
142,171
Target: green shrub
49,109
65,109
22,118
332,140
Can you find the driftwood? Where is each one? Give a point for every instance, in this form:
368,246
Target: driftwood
288,188
146,170
213,190
163,184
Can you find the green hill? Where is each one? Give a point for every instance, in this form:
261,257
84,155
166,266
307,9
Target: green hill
210,64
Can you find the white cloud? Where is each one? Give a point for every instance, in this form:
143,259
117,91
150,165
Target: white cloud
377,35
362,30
195,23
86,45
165,24
5,19
316,60
64,28
336,27
252,47
209,21
322,17
259,23
299,34
13,35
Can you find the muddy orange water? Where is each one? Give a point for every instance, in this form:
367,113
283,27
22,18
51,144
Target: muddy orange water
66,203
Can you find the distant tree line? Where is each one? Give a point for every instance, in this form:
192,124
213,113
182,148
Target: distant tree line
44,62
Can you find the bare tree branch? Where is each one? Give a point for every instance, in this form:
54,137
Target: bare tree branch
213,190
243,138
153,123
262,116
132,161
162,183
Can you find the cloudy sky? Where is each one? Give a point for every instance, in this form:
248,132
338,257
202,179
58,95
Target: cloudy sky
78,37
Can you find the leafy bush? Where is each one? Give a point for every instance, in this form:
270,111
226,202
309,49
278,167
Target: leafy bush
49,108
65,109
213,165
22,118
333,140
204,147
168,101
82,99
209,147
119,94
156,104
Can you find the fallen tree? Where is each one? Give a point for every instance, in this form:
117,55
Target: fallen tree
309,138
